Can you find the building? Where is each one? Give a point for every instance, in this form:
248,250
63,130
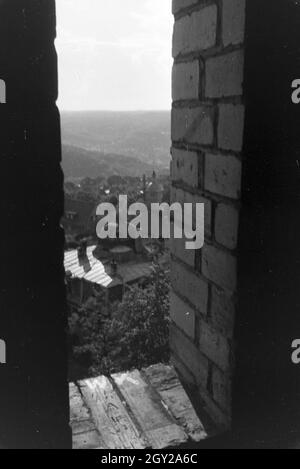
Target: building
87,274
154,191
79,217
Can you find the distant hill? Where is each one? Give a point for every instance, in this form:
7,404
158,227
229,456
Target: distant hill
143,136
78,163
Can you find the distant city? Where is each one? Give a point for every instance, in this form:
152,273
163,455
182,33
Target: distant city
103,144
105,155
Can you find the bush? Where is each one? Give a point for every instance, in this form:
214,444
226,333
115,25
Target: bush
133,335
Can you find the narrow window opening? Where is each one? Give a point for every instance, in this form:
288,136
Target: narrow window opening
115,101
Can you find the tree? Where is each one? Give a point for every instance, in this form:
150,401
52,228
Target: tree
89,327
134,334
140,324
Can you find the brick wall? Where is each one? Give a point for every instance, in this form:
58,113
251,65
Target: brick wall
207,140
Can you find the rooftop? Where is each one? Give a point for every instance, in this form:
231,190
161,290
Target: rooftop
95,271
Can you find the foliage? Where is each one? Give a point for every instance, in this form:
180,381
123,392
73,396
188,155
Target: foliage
133,334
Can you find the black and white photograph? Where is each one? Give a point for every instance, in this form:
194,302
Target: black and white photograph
150,227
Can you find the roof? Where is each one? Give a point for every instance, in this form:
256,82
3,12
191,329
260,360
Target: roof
96,272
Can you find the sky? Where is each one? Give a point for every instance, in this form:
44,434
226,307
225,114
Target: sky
114,54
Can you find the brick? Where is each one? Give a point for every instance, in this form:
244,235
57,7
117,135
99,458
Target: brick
226,225
221,418
182,196
185,81
231,127
222,387
223,175
224,75
214,346
197,199
182,315
219,267
233,22
185,167
222,311
178,5
190,356
193,125
190,286
184,374
196,32
179,250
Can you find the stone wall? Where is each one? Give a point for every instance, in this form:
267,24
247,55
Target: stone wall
235,147
207,139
